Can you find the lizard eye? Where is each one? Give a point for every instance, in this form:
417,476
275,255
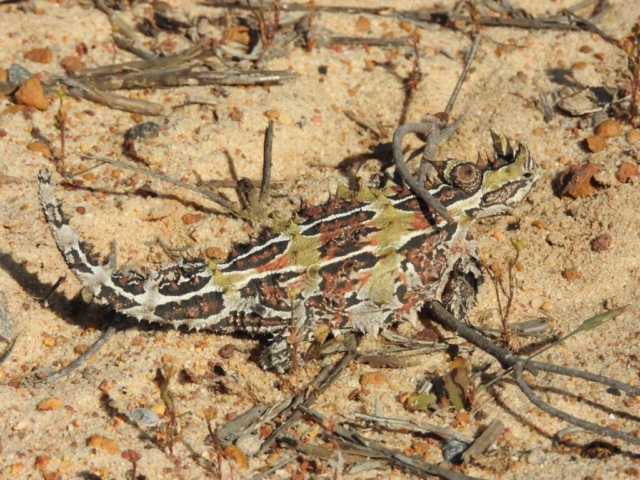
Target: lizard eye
466,176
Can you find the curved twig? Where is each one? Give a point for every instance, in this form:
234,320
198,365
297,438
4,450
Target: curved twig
430,127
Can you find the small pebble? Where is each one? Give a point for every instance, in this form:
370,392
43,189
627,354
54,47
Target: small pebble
373,378
363,24
596,143
31,93
570,274
18,74
103,443
633,136
191,218
227,351
453,449
249,444
547,307
626,171
233,452
39,55
536,456
406,26
51,403
609,129
145,417
145,131
537,302
575,181
21,425
72,64
601,243
39,147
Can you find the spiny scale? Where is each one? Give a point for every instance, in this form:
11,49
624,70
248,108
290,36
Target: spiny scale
362,261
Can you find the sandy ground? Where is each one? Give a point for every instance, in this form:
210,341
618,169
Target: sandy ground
313,137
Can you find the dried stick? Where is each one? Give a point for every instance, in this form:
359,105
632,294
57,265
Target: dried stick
266,164
411,82
545,407
8,350
125,29
415,426
186,76
273,469
590,27
372,41
106,335
112,100
179,59
430,127
352,439
205,193
327,376
484,441
506,359
463,74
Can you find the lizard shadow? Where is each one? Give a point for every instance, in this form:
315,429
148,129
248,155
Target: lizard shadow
58,303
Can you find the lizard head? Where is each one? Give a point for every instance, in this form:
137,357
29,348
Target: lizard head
488,187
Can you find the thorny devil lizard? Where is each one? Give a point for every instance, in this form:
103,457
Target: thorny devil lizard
362,261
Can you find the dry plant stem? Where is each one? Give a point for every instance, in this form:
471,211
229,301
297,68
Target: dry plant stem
463,75
274,469
445,17
431,131
440,16
61,124
593,427
179,59
187,76
209,195
365,123
506,359
52,289
513,283
590,27
8,350
411,82
429,152
267,29
316,452
251,420
112,100
415,426
372,42
352,439
327,376
106,335
125,28
547,109
266,164
485,440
